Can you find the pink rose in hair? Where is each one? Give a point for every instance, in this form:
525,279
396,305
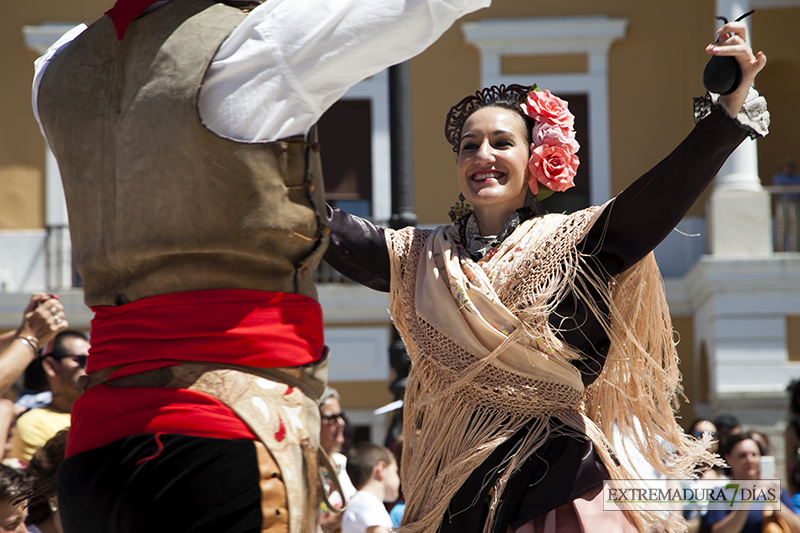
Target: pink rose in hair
542,106
544,133
554,166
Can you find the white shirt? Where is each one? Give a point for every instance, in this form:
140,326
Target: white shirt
288,61
364,510
344,480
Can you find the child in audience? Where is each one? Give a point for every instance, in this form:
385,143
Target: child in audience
13,512
373,471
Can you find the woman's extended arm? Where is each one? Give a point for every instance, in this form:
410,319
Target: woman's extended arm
357,249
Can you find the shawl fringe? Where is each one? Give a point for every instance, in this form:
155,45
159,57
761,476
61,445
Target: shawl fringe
459,408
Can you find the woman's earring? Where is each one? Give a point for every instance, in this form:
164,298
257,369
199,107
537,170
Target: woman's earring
460,209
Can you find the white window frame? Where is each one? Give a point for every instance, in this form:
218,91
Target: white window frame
376,90
593,36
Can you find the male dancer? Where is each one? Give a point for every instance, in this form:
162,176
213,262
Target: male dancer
183,132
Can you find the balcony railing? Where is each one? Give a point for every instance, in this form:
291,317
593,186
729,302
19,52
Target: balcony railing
60,268
327,274
62,274
786,208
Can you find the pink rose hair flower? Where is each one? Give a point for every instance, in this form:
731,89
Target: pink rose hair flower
554,166
544,133
542,106
553,162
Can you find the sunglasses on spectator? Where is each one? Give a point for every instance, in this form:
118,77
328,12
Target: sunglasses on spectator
699,434
331,418
80,359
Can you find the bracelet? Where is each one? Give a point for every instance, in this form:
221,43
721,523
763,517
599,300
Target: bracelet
31,342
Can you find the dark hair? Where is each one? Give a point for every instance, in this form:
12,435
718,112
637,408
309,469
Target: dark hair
397,452
362,458
794,398
762,440
730,443
59,348
727,421
34,377
510,97
697,421
13,483
43,469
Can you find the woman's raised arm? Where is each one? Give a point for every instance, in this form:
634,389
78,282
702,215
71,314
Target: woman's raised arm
357,249
643,214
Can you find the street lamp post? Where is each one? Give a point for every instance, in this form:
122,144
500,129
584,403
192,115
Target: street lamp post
403,213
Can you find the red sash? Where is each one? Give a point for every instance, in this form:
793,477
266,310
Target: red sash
249,328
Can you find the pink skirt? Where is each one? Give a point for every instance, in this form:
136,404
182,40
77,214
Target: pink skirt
582,515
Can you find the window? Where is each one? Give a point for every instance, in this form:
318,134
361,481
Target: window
576,198
345,133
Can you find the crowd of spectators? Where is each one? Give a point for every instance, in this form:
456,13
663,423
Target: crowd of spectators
748,455
40,364
42,361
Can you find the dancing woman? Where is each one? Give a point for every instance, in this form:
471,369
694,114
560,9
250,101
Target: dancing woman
532,337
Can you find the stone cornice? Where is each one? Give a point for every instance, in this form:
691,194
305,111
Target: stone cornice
538,36
745,275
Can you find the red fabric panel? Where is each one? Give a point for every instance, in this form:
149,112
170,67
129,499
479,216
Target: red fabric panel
124,11
249,328
104,414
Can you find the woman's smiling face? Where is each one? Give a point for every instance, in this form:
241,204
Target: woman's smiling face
493,160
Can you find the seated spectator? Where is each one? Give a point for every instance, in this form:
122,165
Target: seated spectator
762,440
396,513
727,424
7,417
695,510
742,453
35,391
331,438
792,443
13,485
42,319
64,366
43,516
700,427
373,471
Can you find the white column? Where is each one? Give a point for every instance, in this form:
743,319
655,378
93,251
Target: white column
738,213
59,246
740,172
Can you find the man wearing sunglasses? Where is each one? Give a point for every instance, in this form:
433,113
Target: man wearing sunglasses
64,365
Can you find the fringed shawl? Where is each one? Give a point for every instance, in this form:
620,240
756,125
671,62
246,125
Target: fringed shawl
486,361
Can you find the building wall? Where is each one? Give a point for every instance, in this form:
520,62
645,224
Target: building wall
650,91
21,145
780,82
651,83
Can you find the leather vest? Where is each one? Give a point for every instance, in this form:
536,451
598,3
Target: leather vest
158,203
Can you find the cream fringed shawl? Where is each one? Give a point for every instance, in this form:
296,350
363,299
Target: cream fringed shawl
486,361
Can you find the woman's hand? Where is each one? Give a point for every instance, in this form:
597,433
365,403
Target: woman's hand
732,42
43,319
